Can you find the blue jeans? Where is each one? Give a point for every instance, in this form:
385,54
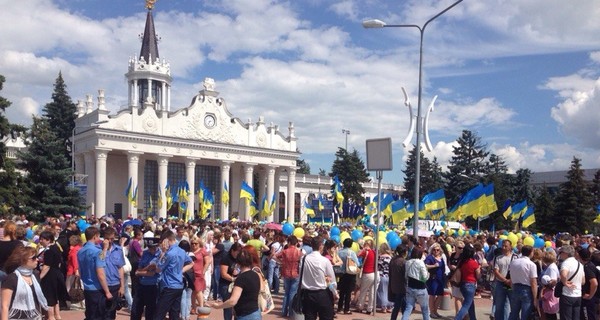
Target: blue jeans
467,289
414,296
272,276
128,296
253,316
186,303
521,301
290,286
501,295
223,286
216,276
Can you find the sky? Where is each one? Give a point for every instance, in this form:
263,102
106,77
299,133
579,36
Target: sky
522,75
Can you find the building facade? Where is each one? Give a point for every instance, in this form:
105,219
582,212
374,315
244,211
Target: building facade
157,149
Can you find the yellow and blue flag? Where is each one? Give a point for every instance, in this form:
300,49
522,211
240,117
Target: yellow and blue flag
273,205
225,194
386,204
435,200
247,192
320,202
309,211
159,201
399,212
253,207
528,217
518,209
337,191
507,210
129,190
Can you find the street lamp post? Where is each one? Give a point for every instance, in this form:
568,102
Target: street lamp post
346,132
93,125
375,23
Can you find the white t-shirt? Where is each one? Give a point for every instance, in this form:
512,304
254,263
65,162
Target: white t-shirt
571,264
552,272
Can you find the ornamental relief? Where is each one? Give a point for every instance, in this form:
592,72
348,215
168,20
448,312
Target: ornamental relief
150,123
193,128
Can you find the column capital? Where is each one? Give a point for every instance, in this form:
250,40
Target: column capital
191,162
249,167
133,156
101,154
163,159
292,171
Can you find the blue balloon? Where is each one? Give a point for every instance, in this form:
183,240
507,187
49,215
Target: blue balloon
390,235
29,234
336,238
335,231
287,229
85,226
394,242
472,232
356,235
443,223
539,243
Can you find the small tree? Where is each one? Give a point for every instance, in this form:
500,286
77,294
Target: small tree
351,171
574,207
303,167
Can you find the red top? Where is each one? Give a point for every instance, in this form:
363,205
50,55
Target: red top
72,264
369,260
467,271
290,260
199,262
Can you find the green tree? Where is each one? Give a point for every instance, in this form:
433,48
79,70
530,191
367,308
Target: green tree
61,114
545,213
322,172
468,163
497,173
521,190
431,179
595,189
49,173
351,171
303,167
574,207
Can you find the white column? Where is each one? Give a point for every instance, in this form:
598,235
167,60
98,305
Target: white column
190,176
225,171
163,164
262,189
248,177
163,97
149,95
90,166
291,191
136,91
168,98
133,159
271,189
277,188
101,157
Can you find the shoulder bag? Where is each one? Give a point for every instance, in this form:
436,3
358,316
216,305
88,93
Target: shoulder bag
351,267
456,278
76,291
297,299
265,299
558,289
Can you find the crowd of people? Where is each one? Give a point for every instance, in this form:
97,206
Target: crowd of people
156,268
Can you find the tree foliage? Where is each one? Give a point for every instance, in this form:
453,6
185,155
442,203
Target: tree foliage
303,167
546,219
60,114
431,175
574,208
351,171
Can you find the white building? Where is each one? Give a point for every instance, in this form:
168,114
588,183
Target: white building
153,146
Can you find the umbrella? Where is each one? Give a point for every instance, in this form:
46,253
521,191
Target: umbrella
273,226
133,222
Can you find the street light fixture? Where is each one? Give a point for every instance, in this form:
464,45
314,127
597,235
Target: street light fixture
346,132
376,23
93,125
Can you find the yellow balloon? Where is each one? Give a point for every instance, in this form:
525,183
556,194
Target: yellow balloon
520,235
548,244
513,239
528,241
355,247
503,237
461,232
299,232
344,235
451,232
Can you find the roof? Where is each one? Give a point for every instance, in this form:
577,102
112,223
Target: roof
149,40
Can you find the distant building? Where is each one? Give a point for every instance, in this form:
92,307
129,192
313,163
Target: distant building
552,179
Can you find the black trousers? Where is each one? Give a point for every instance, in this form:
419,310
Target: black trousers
169,301
95,305
144,298
346,286
317,303
589,309
114,290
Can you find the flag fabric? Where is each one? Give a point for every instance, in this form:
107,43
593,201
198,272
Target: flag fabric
129,189
489,204
253,207
247,192
134,197
168,196
337,191
471,203
399,212
507,210
518,209
435,200
150,202
309,211
320,205
273,205
264,206
159,201
201,188
386,205
528,217
225,194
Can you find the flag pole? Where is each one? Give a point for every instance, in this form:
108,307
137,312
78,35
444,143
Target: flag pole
379,175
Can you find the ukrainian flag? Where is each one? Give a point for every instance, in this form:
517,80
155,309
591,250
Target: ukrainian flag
518,210
490,205
337,190
435,200
309,211
225,194
399,212
320,204
472,202
159,202
247,192
508,210
528,217
253,207
273,204
128,190
386,204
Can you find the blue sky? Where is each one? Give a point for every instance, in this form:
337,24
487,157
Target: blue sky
522,74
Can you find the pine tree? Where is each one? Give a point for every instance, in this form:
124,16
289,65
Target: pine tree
545,213
497,173
574,207
467,164
4,124
49,173
351,171
595,188
521,190
430,176
61,115
303,167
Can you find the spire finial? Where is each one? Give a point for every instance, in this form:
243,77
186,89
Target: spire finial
150,4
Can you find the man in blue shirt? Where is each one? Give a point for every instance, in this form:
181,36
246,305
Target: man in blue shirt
172,263
147,292
92,270
115,260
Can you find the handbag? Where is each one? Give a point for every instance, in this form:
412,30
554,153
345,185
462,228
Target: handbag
456,278
76,291
265,299
351,267
297,299
558,289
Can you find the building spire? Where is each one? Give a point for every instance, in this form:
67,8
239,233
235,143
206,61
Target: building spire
149,41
